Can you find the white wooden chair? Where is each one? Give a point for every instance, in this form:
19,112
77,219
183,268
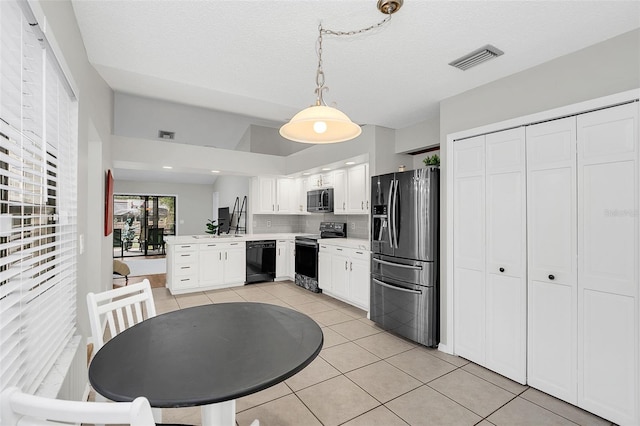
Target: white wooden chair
119,309
21,409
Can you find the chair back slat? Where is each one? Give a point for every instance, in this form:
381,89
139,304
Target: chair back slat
119,309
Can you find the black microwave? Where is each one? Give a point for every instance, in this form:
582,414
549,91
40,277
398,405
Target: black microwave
320,200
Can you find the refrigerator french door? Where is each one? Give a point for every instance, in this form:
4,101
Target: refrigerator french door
404,264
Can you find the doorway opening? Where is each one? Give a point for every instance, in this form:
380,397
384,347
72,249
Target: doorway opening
140,223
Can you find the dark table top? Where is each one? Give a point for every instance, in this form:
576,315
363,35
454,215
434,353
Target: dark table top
205,354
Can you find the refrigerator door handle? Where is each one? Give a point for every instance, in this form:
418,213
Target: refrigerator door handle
390,214
395,216
393,287
399,265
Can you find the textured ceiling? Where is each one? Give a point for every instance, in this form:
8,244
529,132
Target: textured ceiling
258,58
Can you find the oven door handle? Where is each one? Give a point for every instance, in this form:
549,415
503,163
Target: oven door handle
399,265
393,287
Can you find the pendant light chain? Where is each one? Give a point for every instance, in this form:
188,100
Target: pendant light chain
320,87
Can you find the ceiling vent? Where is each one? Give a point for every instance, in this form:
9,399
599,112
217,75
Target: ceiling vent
163,134
476,57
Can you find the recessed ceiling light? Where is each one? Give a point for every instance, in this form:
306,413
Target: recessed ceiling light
326,169
167,167
215,171
350,163
306,174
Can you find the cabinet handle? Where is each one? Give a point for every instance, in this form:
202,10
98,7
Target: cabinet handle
367,204
552,277
501,269
343,206
278,207
220,256
278,252
225,255
345,265
185,267
361,205
273,207
351,266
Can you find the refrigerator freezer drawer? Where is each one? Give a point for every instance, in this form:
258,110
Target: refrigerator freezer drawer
407,310
408,271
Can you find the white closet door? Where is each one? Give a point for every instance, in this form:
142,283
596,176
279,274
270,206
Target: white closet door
469,249
552,274
506,291
608,322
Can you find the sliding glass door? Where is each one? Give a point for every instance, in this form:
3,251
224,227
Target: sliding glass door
140,222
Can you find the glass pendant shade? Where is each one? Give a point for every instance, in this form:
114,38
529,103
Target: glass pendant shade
320,124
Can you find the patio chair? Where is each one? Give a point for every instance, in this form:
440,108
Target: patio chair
21,409
117,240
155,239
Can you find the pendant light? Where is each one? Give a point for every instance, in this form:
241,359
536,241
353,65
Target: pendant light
320,123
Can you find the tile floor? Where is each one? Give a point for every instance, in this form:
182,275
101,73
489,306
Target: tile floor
365,376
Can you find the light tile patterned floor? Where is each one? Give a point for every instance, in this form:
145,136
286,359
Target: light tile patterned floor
365,376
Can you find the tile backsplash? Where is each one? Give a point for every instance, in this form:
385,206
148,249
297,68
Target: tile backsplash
357,225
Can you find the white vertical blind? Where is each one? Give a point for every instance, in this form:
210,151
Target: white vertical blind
38,205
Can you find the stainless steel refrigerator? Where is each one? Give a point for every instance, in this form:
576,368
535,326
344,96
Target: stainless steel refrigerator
405,254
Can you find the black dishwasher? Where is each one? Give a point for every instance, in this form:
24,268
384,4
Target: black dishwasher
261,261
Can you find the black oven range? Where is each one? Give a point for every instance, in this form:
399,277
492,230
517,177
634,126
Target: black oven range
307,254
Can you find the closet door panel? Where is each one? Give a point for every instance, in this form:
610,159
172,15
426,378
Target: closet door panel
608,257
469,249
552,251
506,299
469,294
608,369
506,326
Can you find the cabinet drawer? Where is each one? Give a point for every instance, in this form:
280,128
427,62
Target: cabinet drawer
180,248
359,254
185,257
211,246
185,282
185,269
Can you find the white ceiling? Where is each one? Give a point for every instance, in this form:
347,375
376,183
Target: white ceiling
258,57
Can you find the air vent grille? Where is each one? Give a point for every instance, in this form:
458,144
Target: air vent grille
163,134
476,57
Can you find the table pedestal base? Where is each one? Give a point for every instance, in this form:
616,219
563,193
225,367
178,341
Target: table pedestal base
221,414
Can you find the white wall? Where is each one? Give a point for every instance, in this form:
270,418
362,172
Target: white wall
605,68
384,158
420,136
193,202
267,140
230,187
418,159
140,117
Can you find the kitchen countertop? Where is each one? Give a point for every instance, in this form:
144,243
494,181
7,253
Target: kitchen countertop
356,243
229,238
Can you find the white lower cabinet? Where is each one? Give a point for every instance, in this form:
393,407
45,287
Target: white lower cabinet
205,266
291,248
576,294
283,259
343,273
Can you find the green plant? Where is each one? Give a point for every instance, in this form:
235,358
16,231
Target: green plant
432,160
212,228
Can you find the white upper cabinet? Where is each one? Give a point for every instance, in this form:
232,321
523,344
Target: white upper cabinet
358,189
285,196
264,189
340,193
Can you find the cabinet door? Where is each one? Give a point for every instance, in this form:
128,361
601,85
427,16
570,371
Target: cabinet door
358,194
360,279
608,322
552,275
235,263
211,265
469,249
282,261
506,291
291,253
340,273
340,193
324,269
266,195
284,196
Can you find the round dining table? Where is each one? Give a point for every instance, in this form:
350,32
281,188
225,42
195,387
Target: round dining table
206,356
